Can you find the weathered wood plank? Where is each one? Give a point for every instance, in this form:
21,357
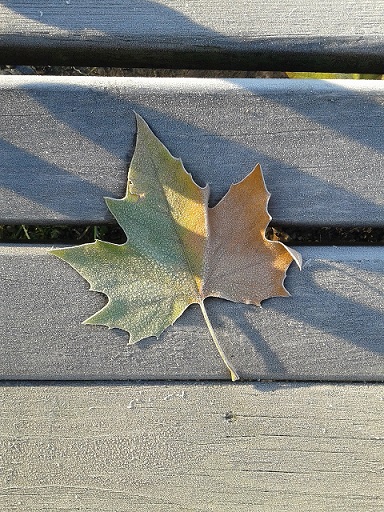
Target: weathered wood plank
64,143
330,329
195,447
265,34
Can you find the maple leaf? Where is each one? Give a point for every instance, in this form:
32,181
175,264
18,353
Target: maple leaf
179,251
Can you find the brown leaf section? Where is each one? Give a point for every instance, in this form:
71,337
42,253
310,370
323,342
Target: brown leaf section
241,265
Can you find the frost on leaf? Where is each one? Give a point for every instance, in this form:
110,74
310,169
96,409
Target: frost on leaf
179,251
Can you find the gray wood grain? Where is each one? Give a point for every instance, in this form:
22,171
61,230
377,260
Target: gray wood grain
65,143
196,447
330,329
264,34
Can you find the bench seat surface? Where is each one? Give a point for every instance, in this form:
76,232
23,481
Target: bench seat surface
196,447
66,143
330,329
264,34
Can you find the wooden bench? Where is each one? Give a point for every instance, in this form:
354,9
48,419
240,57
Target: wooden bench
90,423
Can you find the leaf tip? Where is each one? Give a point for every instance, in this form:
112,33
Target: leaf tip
296,256
140,122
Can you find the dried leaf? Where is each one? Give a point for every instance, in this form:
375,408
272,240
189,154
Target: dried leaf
179,251
241,265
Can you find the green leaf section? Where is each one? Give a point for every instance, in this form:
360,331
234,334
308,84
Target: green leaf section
152,278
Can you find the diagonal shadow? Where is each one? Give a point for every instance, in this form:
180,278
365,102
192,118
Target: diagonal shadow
30,187
349,112
273,364
217,145
139,30
340,316
106,119
325,320
111,127
342,120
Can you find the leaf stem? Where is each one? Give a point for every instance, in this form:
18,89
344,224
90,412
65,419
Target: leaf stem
232,371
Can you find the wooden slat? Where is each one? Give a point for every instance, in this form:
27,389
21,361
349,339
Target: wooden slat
65,143
263,34
191,447
330,329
